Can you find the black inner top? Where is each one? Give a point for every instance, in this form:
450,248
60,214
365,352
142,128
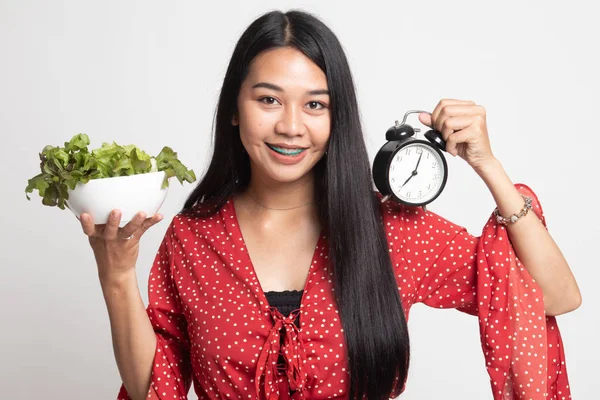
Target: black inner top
285,301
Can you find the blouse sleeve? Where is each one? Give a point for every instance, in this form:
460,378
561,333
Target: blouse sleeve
449,268
171,370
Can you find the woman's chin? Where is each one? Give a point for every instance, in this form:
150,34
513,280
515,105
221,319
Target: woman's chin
289,176
284,174
276,172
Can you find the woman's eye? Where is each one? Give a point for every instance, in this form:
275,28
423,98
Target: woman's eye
313,105
268,100
316,105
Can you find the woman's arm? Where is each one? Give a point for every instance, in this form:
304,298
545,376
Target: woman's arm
464,128
152,350
438,263
533,244
134,340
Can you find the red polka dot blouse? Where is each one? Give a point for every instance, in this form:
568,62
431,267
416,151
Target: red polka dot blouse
216,329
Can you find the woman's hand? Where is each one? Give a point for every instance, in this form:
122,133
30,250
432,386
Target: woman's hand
116,255
464,128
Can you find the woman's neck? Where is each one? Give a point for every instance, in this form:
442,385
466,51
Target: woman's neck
277,205
278,196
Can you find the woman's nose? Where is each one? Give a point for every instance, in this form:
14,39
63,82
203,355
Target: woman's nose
291,122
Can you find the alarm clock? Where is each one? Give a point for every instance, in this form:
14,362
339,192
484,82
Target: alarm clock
408,170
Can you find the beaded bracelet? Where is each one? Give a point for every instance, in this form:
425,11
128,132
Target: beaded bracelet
515,217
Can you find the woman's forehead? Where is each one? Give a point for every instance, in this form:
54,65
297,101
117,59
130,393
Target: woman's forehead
286,68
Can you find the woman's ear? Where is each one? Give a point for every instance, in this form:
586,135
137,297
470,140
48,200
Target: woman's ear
234,120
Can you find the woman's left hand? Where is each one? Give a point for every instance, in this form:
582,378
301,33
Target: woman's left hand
464,128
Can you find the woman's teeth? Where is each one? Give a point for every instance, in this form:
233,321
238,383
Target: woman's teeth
287,152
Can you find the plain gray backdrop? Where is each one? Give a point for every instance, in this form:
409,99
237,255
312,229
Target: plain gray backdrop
149,73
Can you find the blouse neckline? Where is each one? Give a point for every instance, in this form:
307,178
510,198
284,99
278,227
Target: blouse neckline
260,292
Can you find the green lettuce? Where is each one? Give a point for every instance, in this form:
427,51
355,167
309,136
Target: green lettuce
63,167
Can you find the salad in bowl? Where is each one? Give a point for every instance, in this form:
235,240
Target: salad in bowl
109,177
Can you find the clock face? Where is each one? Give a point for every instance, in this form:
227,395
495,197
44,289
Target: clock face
416,173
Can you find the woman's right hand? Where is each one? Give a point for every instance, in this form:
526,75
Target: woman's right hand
116,255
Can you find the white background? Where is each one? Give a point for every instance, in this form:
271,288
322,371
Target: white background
149,73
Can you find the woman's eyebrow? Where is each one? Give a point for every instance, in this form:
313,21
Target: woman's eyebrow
276,88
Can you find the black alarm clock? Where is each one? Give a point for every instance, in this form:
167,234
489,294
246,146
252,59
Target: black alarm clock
411,171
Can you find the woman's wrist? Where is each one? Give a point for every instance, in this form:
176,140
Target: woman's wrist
118,282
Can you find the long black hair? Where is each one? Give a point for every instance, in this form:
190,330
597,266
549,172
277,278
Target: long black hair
366,293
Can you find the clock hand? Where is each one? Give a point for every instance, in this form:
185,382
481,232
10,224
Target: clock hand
418,162
414,172
409,178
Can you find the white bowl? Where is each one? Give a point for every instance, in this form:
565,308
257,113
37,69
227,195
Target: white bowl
129,194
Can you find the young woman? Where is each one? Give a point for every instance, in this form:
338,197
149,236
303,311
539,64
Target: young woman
284,276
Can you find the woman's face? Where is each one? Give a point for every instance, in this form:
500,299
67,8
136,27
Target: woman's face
283,107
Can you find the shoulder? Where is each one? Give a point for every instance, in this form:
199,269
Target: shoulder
414,221
202,222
